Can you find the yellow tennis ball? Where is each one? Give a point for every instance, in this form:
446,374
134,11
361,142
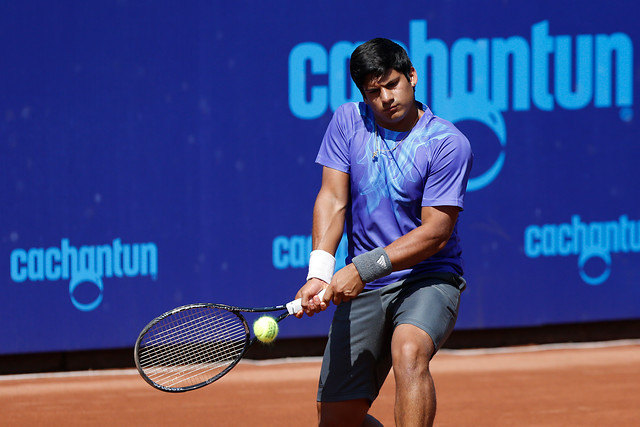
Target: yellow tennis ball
265,329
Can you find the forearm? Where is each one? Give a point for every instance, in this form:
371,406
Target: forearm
412,248
416,246
329,214
426,240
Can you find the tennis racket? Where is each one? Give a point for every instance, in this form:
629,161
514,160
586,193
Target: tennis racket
194,345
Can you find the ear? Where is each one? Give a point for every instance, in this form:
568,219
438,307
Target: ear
413,77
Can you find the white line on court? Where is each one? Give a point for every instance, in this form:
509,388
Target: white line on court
541,347
268,362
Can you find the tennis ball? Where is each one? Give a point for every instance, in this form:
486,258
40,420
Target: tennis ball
265,329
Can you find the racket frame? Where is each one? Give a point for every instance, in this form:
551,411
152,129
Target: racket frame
247,342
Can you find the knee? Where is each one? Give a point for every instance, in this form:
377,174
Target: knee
411,358
411,352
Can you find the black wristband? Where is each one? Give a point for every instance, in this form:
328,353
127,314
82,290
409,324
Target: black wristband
373,265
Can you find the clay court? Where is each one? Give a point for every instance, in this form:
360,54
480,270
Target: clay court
593,384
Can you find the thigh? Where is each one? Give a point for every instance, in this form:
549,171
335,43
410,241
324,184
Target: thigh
431,304
357,357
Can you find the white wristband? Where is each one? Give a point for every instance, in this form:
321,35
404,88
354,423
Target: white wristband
321,265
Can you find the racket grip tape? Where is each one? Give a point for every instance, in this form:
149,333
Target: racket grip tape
296,305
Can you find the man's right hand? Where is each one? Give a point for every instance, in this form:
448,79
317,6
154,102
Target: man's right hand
311,303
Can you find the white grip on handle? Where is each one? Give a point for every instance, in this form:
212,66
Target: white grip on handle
296,305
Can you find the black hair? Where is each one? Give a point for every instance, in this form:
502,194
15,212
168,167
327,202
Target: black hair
375,57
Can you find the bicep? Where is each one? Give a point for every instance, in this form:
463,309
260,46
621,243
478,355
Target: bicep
335,187
330,209
441,219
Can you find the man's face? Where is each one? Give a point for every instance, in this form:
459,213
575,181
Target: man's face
392,98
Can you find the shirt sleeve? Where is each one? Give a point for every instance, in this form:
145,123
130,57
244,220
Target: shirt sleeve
448,172
334,150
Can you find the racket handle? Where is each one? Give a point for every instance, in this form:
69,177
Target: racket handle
296,305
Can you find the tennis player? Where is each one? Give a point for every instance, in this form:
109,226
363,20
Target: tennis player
395,176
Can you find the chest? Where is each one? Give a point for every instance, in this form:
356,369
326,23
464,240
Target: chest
391,169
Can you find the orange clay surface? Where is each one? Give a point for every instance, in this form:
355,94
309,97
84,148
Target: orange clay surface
583,385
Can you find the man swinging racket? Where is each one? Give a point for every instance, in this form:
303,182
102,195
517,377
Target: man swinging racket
395,176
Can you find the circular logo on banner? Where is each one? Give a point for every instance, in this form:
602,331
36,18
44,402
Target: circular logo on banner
85,277
585,256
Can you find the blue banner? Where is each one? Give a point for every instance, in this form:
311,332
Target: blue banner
156,154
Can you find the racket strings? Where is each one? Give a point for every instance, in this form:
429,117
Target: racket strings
185,357
191,346
194,362
195,328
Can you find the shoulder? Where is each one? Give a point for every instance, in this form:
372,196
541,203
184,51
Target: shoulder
352,112
351,118
443,133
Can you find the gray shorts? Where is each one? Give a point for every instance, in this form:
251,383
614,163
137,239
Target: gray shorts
357,358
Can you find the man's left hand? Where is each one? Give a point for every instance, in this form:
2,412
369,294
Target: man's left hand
346,284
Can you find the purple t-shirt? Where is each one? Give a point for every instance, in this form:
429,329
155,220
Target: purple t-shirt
429,167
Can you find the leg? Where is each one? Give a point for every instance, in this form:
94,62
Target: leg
425,315
411,350
356,362
346,413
